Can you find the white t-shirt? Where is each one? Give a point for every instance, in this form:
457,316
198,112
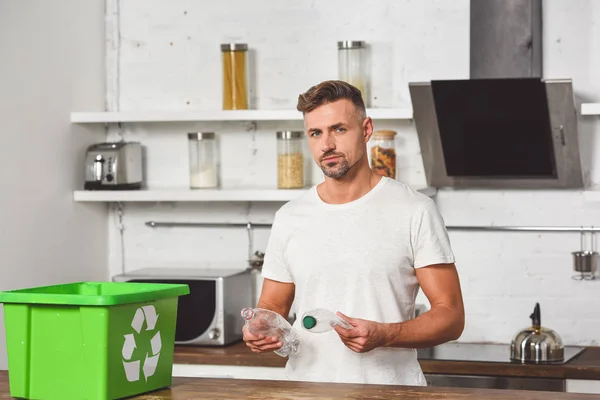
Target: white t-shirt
357,258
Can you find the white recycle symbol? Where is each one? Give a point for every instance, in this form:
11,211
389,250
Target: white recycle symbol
132,368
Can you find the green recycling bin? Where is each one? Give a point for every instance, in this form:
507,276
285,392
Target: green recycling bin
90,340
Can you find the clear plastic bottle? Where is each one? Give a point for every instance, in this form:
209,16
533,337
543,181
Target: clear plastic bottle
269,323
321,320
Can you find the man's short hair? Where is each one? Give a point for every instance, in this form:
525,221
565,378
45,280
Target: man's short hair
329,92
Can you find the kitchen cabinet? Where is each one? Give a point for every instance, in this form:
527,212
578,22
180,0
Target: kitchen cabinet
278,373
583,386
496,382
590,109
228,371
580,375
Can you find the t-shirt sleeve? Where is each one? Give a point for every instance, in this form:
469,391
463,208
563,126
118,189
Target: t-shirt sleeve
275,266
431,244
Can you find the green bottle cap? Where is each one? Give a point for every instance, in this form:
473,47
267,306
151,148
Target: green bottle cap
309,322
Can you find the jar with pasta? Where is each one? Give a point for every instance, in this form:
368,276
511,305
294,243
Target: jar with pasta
290,160
383,153
235,86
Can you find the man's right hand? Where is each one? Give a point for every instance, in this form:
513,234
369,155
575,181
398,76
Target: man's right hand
260,344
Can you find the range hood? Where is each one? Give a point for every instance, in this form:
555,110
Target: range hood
505,127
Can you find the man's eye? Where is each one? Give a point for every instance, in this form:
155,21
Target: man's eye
315,134
340,130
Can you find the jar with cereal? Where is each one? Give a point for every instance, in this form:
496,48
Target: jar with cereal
290,160
383,153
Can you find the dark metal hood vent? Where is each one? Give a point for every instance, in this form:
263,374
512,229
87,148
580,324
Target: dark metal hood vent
504,127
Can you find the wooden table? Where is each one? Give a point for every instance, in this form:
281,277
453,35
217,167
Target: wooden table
200,388
585,366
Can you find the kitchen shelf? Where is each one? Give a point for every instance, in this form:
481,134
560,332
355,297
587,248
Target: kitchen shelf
199,195
219,115
590,109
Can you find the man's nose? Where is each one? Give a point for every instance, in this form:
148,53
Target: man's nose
328,143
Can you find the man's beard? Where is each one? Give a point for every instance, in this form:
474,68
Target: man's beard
338,169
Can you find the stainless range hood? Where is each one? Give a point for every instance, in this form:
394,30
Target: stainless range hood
506,127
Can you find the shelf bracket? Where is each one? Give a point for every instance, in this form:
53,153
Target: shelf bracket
251,126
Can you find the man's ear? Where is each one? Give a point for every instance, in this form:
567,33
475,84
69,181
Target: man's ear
367,128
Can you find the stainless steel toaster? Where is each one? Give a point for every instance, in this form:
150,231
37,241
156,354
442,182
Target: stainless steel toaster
210,314
113,166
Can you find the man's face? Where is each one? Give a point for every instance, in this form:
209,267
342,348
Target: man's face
337,137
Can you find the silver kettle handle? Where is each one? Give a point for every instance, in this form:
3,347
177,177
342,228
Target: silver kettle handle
98,167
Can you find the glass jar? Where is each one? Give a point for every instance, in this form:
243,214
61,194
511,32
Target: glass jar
383,153
235,87
351,65
290,160
203,160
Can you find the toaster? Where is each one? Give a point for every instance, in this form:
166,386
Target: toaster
113,166
210,314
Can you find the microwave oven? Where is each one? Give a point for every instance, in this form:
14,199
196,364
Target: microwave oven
210,314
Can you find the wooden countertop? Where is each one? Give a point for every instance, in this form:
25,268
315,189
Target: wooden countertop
201,388
585,366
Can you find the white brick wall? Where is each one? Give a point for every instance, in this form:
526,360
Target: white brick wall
505,274
168,58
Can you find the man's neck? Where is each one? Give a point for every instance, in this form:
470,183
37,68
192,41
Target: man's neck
349,188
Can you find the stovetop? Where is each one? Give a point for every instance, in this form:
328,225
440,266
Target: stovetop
481,352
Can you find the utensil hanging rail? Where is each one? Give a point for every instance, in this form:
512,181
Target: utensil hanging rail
248,225
492,228
525,228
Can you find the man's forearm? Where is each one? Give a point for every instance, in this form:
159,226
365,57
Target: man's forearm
277,296
436,326
280,309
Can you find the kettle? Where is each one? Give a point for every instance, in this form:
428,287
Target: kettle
537,344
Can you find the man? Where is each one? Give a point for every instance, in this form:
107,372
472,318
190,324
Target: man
359,244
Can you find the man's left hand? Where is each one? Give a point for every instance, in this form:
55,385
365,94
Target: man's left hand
363,337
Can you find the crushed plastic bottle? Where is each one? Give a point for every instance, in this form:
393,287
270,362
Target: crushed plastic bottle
321,320
269,323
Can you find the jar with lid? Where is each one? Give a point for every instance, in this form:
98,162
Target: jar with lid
235,86
203,160
351,65
383,153
290,160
